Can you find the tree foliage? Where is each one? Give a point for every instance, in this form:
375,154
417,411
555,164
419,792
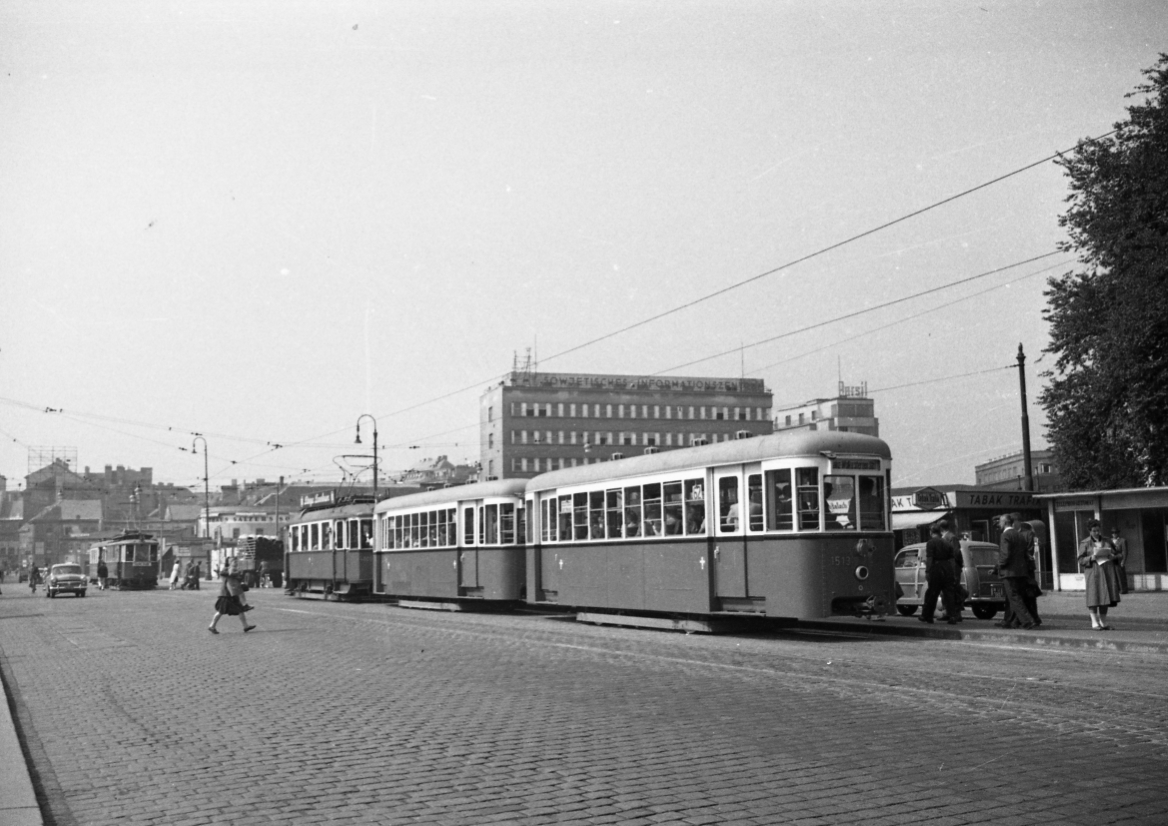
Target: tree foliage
1107,395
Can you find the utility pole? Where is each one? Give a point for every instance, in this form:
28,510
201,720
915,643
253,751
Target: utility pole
1025,421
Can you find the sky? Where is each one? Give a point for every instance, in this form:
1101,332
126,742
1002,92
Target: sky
261,221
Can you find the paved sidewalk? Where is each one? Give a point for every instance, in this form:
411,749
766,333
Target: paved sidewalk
18,804
1139,624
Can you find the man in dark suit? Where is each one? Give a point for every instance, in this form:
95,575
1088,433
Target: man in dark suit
1120,558
1013,567
939,576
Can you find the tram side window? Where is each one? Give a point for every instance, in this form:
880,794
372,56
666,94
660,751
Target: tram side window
580,515
674,513
695,507
550,512
366,533
840,494
507,523
426,530
314,536
872,503
754,501
729,513
780,503
807,482
468,531
652,505
326,536
615,511
565,518
633,511
489,525
596,514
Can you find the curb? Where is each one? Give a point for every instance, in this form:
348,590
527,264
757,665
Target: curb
1053,638
18,803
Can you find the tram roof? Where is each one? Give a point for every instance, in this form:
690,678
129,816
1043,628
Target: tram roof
457,493
775,445
362,507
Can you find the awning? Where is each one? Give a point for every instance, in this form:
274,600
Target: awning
914,519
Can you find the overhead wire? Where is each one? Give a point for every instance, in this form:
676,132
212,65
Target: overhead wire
694,302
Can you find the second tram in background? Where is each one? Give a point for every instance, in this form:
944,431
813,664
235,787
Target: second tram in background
131,560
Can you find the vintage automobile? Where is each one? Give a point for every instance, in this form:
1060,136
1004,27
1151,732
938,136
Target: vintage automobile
66,579
982,584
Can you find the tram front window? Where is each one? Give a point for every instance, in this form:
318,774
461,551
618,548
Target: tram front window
840,494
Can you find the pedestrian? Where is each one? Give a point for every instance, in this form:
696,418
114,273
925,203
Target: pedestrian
960,592
1031,591
940,579
175,573
1117,541
102,575
1012,568
228,601
198,574
1097,558
265,575
34,576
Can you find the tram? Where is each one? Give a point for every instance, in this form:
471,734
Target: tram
131,558
789,525
453,544
329,553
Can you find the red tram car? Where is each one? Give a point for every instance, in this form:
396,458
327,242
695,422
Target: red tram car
453,544
789,525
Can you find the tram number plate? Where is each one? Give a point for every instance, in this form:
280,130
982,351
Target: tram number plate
841,560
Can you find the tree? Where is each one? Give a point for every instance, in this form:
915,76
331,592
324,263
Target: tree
1106,399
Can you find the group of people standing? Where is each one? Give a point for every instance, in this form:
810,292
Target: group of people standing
1101,559
189,581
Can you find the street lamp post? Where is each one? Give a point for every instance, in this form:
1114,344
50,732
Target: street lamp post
1029,475
206,488
372,539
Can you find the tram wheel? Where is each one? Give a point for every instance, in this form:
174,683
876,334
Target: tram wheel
906,610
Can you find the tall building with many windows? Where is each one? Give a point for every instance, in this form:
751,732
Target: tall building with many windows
851,411
532,422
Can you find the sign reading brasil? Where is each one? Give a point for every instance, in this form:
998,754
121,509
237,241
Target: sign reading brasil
637,382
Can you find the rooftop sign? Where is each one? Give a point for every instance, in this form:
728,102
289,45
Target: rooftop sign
605,382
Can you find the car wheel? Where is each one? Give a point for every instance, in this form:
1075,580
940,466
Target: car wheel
80,593
906,610
984,611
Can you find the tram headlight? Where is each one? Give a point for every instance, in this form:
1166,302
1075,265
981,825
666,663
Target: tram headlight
862,573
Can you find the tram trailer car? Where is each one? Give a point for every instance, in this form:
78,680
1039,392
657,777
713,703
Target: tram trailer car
131,559
329,552
457,545
789,525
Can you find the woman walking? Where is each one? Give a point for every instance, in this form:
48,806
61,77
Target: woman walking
228,601
174,574
1097,557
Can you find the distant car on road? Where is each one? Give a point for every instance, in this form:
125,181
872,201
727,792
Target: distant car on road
977,576
66,579
23,577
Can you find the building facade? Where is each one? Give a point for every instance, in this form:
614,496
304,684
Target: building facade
851,411
1009,472
532,422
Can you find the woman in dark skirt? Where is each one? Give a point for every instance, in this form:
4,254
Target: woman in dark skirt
228,601
1097,558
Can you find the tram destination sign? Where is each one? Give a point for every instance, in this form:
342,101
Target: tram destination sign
606,382
855,464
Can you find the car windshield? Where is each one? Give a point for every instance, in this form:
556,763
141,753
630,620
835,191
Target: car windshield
66,569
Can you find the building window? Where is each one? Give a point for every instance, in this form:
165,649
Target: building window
572,410
490,440
620,411
815,415
545,409
608,411
560,410
490,414
800,418
656,411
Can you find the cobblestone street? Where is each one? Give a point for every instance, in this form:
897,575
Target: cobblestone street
337,713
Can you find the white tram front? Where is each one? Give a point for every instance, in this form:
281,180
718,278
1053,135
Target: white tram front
791,525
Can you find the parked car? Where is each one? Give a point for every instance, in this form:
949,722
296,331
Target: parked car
978,577
66,578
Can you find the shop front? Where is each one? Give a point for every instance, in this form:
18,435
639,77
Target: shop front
973,514
1140,515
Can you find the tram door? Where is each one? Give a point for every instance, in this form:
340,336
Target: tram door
468,554
728,521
